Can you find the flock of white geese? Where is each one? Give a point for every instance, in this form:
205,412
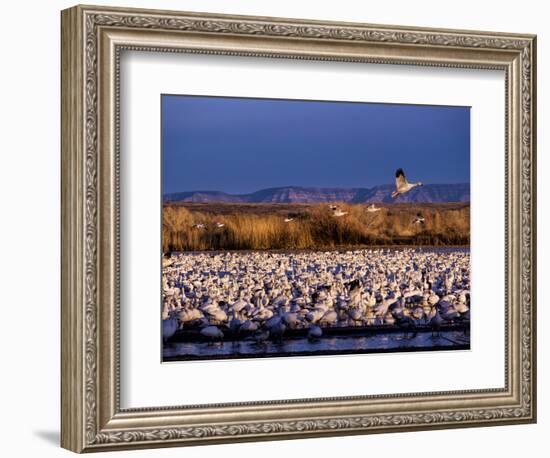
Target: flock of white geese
261,295
402,186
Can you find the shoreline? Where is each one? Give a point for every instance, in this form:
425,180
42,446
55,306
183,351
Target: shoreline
193,335
332,249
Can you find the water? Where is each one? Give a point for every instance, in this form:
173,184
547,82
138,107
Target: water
380,343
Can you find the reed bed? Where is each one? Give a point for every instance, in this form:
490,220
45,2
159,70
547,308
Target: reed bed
262,226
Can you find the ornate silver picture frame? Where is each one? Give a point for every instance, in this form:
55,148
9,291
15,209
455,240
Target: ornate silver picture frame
93,39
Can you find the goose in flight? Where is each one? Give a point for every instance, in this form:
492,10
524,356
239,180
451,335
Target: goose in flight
373,208
419,219
402,185
336,212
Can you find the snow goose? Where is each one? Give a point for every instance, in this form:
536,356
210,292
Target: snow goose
314,332
373,208
435,321
330,318
276,332
169,326
337,212
212,333
402,186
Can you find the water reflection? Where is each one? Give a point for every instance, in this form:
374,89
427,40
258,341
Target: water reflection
327,345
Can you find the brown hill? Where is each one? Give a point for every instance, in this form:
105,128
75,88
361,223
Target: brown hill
454,192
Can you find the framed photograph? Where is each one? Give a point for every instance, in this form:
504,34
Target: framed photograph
278,228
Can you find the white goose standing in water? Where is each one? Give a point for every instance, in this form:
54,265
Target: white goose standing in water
169,326
212,333
402,186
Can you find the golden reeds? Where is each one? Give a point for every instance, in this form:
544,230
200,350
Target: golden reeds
262,226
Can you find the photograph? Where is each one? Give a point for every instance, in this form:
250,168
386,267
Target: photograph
301,228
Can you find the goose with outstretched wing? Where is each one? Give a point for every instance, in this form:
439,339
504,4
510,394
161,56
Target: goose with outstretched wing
373,208
402,185
419,219
337,212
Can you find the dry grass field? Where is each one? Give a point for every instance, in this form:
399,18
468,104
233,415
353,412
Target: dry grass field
231,226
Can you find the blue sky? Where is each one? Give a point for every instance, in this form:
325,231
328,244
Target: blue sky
241,145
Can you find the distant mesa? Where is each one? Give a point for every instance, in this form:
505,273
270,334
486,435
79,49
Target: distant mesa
430,193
